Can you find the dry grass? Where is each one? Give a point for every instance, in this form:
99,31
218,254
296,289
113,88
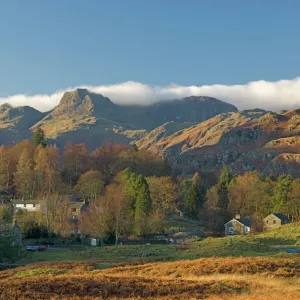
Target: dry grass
211,278
268,266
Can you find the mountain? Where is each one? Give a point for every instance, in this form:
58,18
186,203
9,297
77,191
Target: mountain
246,140
194,133
19,118
16,121
82,116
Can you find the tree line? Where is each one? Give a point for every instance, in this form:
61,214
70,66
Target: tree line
129,191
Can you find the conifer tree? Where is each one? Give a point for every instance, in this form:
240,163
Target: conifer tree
223,184
39,138
142,205
282,189
190,200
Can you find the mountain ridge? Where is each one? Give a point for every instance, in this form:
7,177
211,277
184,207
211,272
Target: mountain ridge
195,133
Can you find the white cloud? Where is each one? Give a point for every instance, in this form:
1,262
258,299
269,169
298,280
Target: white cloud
283,94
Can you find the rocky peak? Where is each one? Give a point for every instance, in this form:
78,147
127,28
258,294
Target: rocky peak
81,101
5,107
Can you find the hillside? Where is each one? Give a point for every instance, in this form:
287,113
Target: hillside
246,140
16,121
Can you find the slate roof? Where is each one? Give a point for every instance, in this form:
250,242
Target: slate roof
79,205
245,221
282,217
22,201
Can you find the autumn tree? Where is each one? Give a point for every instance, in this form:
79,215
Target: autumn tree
5,215
90,185
24,176
31,223
62,225
75,162
109,215
107,159
39,138
47,172
163,193
5,169
248,194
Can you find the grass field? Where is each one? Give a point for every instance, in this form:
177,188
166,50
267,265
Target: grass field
231,268
206,278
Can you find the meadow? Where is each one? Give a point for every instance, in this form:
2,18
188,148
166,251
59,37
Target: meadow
206,278
230,268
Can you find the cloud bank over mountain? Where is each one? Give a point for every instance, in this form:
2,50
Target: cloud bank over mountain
283,94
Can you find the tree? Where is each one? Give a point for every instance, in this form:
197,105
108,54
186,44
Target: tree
293,203
249,195
281,192
142,206
163,193
75,162
109,215
90,185
62,225
190,199
39,138
5,169
47,173
24,180
223,184
107,159
193,194
5,216
31,224
8,253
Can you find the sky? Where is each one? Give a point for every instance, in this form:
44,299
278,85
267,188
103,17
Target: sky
139,51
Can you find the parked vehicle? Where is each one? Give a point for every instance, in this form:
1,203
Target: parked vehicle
36,248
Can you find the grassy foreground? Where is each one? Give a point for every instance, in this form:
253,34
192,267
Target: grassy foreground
232,268
206,278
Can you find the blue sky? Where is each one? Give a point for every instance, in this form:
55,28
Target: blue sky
50,45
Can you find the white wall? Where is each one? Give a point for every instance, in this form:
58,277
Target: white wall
28,207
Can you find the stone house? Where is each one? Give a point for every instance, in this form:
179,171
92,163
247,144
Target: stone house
238,226
28,205
274,221
76,208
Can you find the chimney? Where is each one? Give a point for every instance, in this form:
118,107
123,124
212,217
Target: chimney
237,216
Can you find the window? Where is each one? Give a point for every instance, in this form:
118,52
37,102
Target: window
247,229
73,209
267,221
33,205
230,229
24,205
274,221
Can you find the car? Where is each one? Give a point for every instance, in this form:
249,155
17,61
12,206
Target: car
36,248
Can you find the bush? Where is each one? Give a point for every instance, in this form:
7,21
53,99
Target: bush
35,231
8,253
